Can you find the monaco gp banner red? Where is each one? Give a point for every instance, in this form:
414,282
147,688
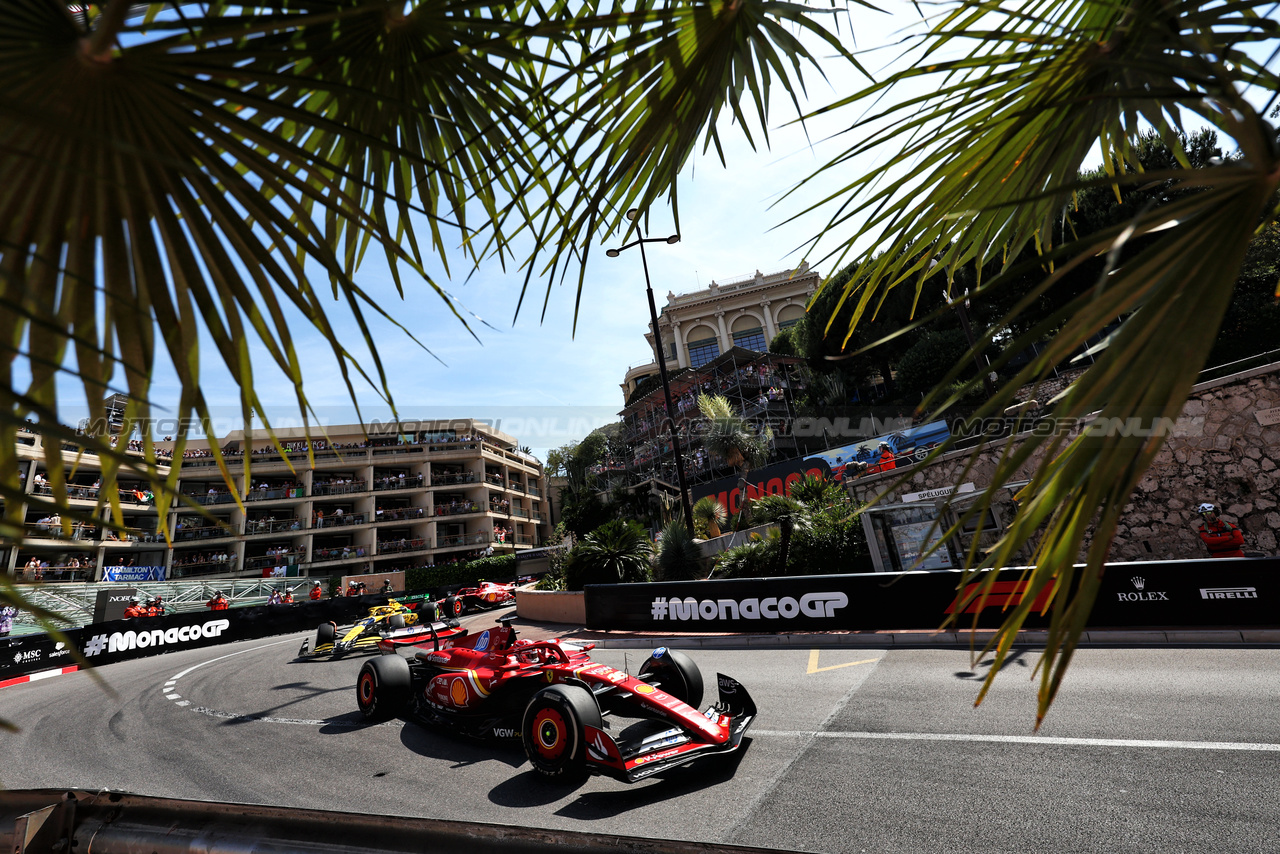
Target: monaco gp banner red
1224,593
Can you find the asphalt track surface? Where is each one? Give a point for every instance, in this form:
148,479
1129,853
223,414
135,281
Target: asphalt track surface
854,750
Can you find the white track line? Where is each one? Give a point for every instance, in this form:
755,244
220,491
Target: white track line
1029,739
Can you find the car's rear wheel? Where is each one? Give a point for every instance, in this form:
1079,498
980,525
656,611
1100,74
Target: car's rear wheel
676,673
326,633
453,606
554,734
383,687
396,621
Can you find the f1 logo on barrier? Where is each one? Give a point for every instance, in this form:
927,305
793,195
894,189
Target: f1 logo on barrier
1002,594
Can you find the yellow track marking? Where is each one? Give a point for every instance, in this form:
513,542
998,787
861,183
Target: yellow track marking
814,668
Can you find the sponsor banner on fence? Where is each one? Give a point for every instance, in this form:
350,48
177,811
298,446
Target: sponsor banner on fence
133,573
121,640
1199,593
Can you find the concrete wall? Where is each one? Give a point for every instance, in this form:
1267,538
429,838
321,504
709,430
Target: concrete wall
1226,451
552,606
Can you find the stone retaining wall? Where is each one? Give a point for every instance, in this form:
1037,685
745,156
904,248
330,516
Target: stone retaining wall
1230,455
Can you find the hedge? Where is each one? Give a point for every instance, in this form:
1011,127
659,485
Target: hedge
467,574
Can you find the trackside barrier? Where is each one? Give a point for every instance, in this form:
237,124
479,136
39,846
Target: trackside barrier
45,821
121,640
1234,592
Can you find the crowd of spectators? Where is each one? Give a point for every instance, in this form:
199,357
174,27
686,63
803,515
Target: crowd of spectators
502,534
400,481
202,559
455,506
403,544
338,553
397,514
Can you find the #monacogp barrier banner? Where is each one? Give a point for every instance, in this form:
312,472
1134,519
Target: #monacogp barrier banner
1235,593
121,640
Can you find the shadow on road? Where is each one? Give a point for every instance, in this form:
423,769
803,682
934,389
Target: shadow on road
1016,656
531,790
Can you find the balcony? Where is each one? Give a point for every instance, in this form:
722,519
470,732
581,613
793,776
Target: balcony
273,493
336,521
184,532
338,553
51,529
294,555
84,493
401,482
61,572
453,540
338,487
457,509
534,491
399,514
200,565
520,511
272,526
398,546
524,539
454,479
495,479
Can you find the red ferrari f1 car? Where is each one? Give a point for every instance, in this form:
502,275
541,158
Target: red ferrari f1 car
560,704
485,597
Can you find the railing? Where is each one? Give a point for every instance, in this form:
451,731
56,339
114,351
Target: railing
212,567
451,540
457,510
499,507
88,493
214,497
400,514
204,532
338,521
338,488
452,479
442,447
274,493
524,539
418,544
515,485
520,511
534,491
338,553
411,482
60,573
272,526
495,479
54,531
281,559
397,449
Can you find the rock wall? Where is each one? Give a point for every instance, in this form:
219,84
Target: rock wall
1227,452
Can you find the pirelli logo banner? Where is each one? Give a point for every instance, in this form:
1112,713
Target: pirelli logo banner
1234,593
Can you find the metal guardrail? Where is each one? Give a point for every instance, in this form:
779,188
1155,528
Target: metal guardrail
45,821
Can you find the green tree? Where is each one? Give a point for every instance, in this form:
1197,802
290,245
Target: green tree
618,552
679,558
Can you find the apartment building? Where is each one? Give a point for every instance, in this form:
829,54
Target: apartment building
405,495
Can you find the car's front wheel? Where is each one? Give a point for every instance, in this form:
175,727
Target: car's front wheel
554,734
675,673
383,687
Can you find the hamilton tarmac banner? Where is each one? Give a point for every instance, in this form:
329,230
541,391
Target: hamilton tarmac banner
1235,593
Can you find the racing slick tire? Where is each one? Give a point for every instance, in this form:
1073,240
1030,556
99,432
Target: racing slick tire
325,633
679,676
452,606
553,731
383,687
396,621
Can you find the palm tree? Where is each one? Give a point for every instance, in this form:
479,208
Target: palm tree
177,172
729,436
993,154
708,515
618,552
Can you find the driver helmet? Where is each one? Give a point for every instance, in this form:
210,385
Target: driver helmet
1207,508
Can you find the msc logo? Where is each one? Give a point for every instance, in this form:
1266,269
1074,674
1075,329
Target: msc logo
23,657
1001,594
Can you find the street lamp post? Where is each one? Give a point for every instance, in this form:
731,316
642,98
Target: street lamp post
662,362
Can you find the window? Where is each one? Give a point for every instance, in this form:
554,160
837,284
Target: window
787,324
701,352
750,339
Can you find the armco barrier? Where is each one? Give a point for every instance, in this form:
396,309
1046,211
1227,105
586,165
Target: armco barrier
121,640
1235,592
